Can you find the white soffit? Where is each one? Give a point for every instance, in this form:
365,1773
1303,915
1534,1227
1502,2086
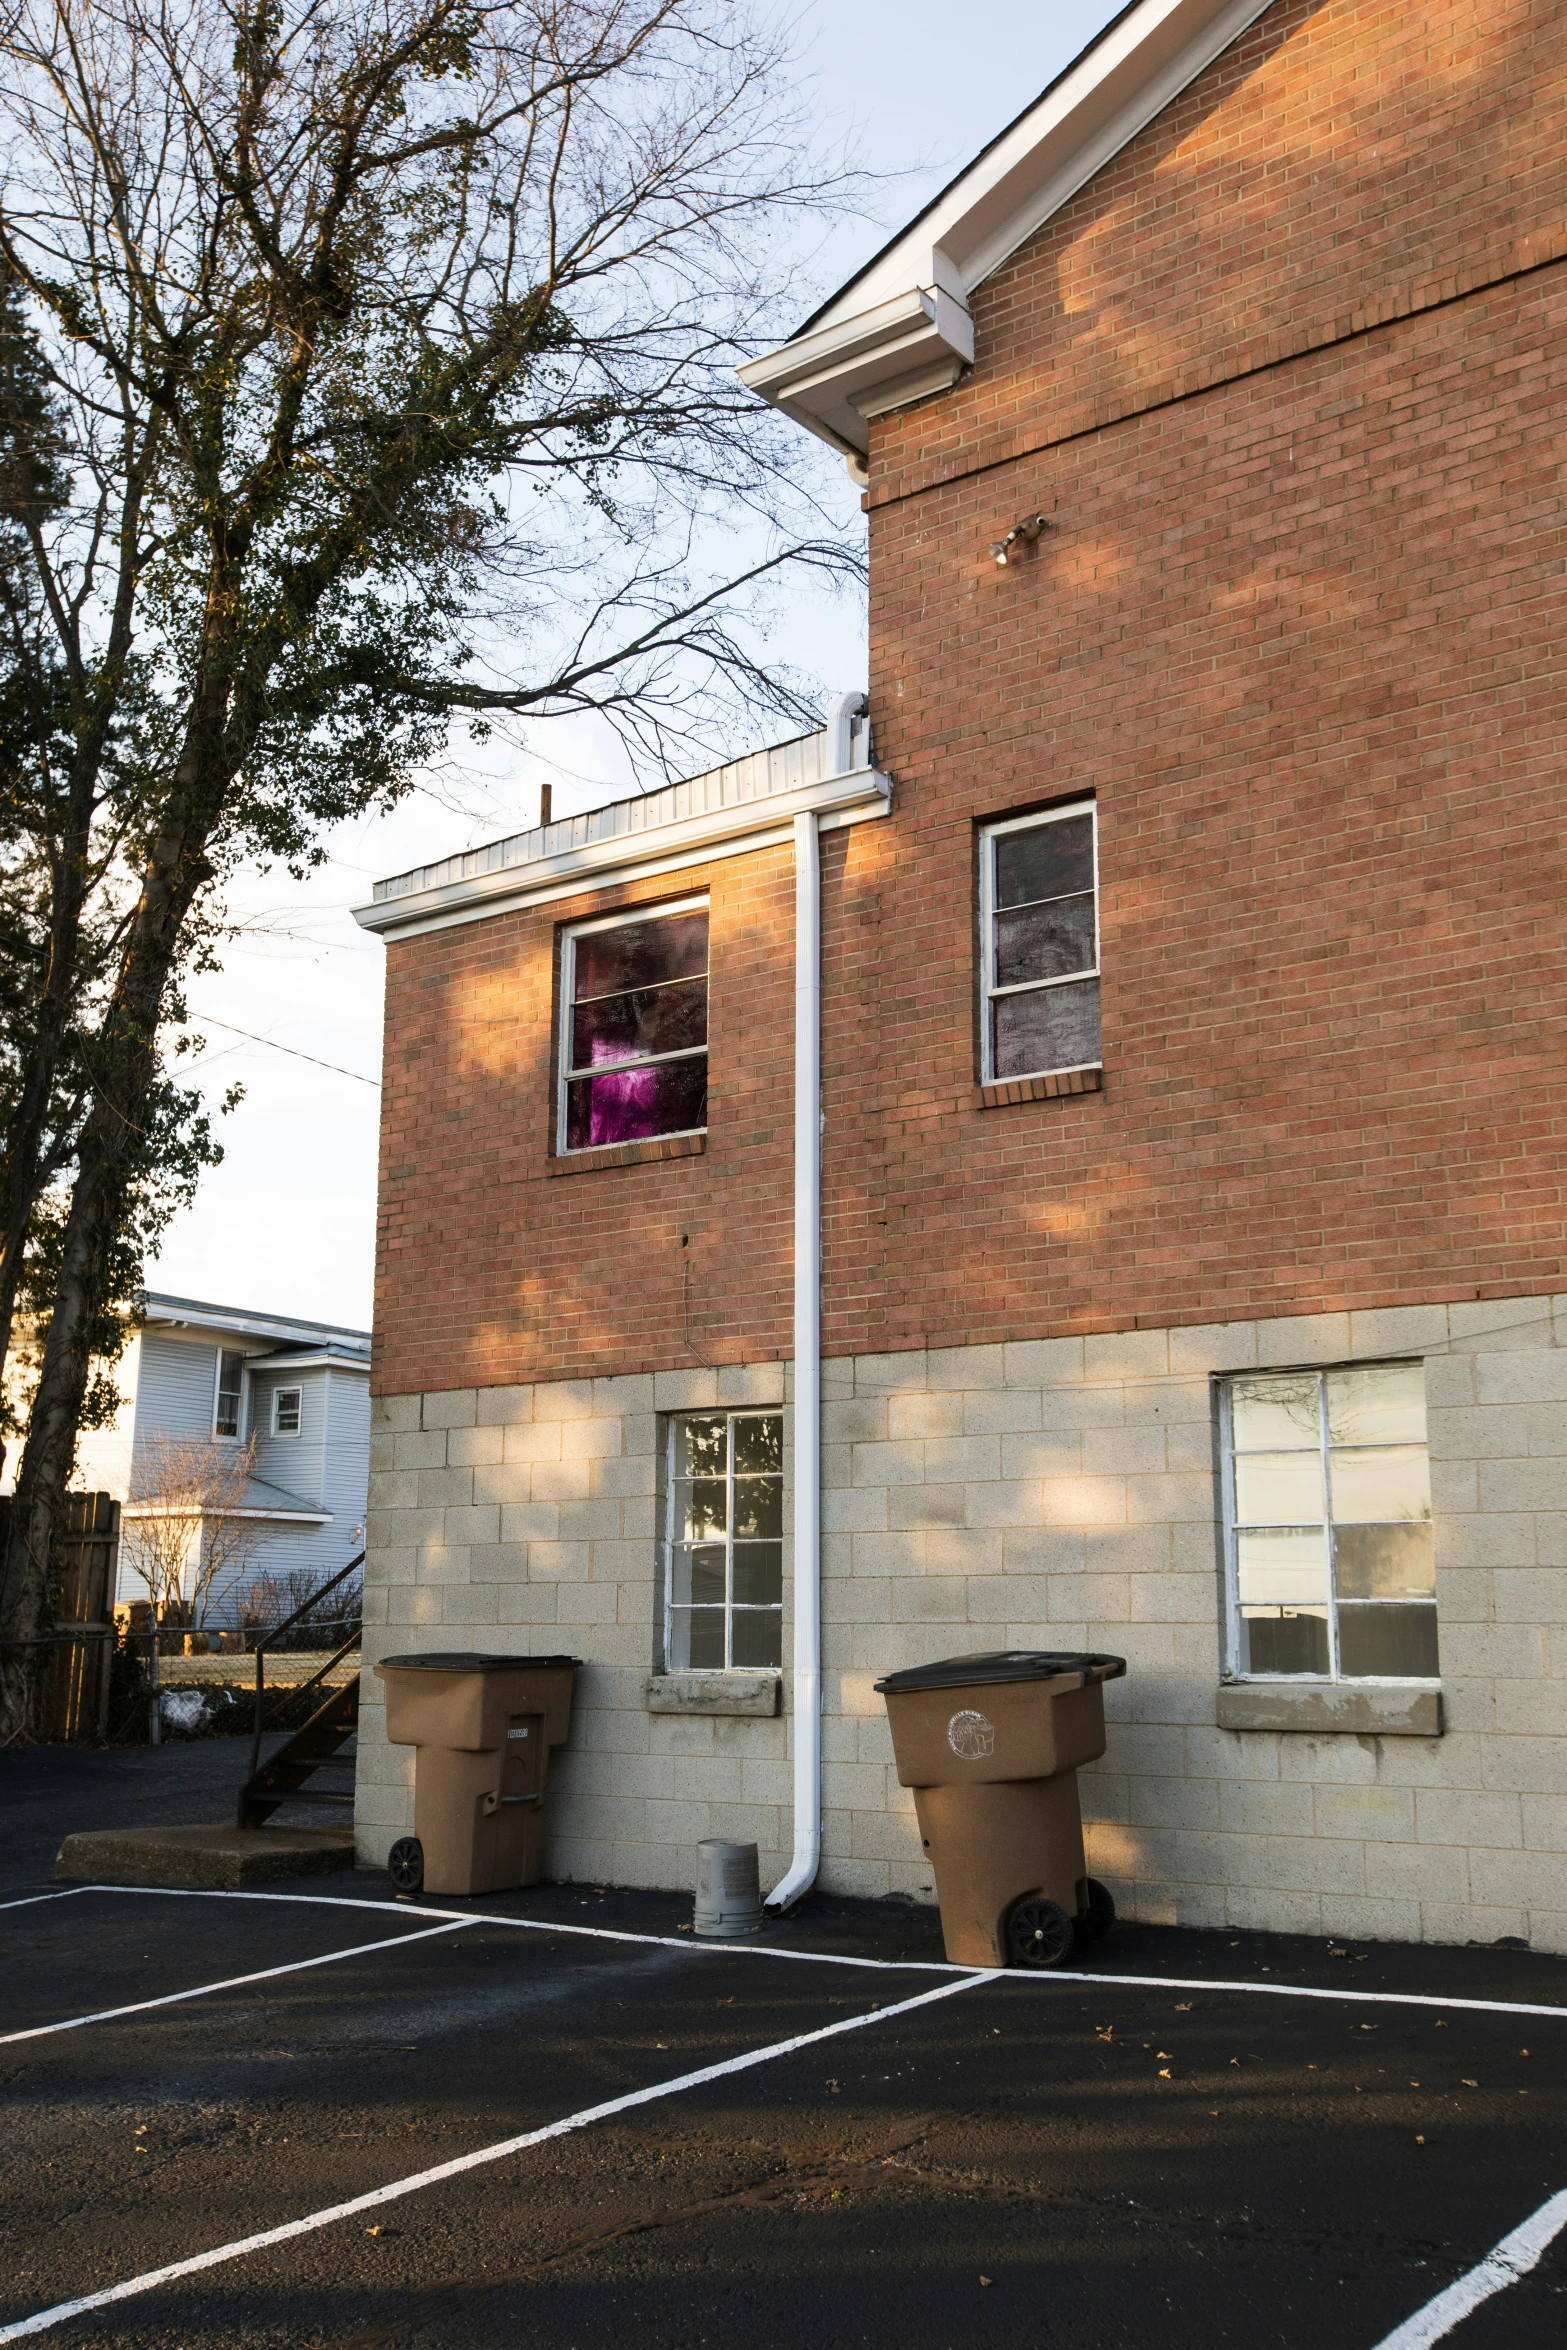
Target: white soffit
749,804
901,329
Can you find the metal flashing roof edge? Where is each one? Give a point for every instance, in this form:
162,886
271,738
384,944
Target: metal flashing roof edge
695,839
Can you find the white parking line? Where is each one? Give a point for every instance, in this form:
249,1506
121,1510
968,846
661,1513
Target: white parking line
1064,1980
296,1966
147,2283
64,1894
1510,2260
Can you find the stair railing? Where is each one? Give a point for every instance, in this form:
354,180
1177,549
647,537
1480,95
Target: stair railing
297,1689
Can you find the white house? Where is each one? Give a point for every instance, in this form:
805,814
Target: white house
299,1387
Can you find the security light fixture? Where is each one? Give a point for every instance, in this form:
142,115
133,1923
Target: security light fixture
1029,528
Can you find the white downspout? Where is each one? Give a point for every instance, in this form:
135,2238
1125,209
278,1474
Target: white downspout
807,1361
841,756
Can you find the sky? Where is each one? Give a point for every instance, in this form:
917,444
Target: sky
287,1223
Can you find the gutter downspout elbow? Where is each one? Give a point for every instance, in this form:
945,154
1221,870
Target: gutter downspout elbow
802,1869
842,711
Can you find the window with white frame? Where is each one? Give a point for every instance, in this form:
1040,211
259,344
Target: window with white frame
723,1578
633,1044
1328,1524
230,1395
285,1411
1039,920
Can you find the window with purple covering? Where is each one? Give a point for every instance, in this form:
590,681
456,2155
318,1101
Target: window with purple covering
1039,919
633,1052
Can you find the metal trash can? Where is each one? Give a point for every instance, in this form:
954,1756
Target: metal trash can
483,1727
990,1745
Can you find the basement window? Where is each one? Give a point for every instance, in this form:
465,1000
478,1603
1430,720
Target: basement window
633,1047
723,1569
1328,1530
1039,918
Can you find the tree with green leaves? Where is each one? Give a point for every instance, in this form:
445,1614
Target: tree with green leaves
382,359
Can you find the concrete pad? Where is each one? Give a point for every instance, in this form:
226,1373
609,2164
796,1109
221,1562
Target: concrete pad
226,1858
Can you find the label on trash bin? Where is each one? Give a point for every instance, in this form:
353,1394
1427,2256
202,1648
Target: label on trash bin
971,1737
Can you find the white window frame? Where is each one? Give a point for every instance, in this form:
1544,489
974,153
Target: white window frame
672,1538
1332,1678
989,992
238,1436
564,1073
278,1394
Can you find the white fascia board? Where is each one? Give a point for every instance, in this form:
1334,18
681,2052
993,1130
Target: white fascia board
664,848
1115,90
148,1509
831,381
318,1361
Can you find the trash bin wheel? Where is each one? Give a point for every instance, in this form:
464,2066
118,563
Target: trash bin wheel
1039,1932
405,1864
1099,1916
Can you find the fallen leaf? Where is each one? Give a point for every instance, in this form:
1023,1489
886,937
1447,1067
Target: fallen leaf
1183,2007
1420,2141
372,2231
1471,2084
1164,2072
984,2280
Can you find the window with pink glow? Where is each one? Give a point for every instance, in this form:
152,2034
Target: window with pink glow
633,1053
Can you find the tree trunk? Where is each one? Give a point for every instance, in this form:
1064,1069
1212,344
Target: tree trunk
106,1163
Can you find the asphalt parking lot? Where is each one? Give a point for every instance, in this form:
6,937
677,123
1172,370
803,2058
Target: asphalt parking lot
586,2128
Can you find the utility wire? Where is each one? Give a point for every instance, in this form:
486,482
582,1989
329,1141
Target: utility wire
205,1021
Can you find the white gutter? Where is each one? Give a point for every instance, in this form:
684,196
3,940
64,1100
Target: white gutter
802,1869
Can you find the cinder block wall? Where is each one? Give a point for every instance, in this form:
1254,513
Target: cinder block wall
1054,1493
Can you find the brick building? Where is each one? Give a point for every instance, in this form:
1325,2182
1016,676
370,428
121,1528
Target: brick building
1191,1020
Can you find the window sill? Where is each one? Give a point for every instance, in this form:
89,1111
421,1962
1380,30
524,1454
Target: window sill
1038,1089
629,1154
1376,1710
713,1693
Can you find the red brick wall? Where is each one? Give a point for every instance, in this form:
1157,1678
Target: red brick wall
1296,625
492,1268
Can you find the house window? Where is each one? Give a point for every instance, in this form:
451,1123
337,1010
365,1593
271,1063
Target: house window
724,1569
1039,916
285,1411
633,1050
231,1382
1328,1524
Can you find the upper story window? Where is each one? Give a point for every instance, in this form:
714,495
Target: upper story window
285,1411
723,1584
1039,916
633,1049
1328,1524
230,1395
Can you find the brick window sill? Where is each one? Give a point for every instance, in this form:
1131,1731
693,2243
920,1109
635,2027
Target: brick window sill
1383,1710
1038,1089
629,1154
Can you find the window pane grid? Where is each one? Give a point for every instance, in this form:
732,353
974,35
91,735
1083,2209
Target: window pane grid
1342,1588
1040,945
633,1028
724,1584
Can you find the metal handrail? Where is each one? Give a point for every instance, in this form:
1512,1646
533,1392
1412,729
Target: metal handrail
268,1637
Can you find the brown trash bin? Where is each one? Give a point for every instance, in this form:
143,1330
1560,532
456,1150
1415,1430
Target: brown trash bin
483,1727
990,1745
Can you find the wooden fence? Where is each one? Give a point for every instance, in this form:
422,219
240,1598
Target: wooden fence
75,1708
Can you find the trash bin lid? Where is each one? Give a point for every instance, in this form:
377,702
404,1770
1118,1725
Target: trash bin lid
1005,1664
454,1661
